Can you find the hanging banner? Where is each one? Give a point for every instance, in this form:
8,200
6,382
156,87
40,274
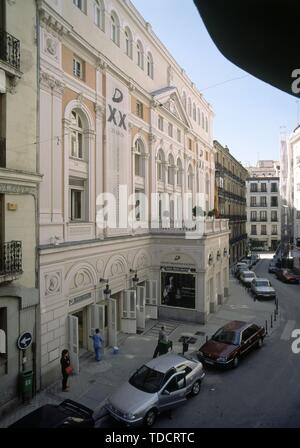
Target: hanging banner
118,150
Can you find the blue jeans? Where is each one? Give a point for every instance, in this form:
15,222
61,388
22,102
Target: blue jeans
98,353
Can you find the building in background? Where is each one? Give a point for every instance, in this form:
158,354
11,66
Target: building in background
122,113
230,199
292,147
19,299
264,206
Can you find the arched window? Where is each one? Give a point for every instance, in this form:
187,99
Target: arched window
199,117
99,14
184,100
150,71
138,158
128,42
179,172
115,28
160,166
202,120
140,55
171,170
194,112
190,178
76,131
190,107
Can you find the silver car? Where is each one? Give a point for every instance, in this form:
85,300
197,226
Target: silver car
262,289
158,386
247,277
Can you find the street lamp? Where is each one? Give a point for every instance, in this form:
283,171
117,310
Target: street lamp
106,291
135,279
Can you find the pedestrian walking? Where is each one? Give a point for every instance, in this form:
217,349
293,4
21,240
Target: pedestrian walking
97,342
163,343
66,369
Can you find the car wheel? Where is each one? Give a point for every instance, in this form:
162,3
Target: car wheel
260,343
235,362
150,418
196,388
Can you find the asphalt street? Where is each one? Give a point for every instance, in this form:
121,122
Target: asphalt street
264,391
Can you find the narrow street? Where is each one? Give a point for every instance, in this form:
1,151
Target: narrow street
264,391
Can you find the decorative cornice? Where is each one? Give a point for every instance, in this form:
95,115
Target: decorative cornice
50,82
50,22
17,189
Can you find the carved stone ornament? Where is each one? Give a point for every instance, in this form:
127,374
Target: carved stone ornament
52,283
51,46
80,98
50,82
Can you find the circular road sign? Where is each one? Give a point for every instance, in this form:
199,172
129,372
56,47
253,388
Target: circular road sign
24,340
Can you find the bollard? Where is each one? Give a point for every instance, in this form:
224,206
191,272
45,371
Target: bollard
276,305
266,327
271,321
275,315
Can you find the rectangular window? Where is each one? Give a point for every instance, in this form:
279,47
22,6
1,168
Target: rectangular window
3,341
78,68
179,135
274,229
77,202
263,201
253,188
80,4
263,229
139,109
160,123
98,17
274,201
253,229
298,187
298,160
253,216
263,216
274,187
253,201
298,214
274,216
263,187
190,144
170,130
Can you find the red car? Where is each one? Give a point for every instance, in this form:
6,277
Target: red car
230,343
287,276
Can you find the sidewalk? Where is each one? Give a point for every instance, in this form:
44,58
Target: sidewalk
97,380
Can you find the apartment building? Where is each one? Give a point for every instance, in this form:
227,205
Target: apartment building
230,199
264,206
120,121
293,146
19,299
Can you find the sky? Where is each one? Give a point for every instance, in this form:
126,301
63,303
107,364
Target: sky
250,115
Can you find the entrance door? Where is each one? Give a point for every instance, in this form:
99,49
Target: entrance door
128,321
98,321
151,299
140,307
73,341
112,322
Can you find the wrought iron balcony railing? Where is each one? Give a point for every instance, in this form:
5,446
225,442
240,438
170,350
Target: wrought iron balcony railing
9,49
11,258
2,152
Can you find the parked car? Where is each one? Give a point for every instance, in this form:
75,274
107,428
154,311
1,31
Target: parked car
272,269
230,343
287,276
255,258
247,277
238,265
248,262
67,414
241,269
261,288
158,386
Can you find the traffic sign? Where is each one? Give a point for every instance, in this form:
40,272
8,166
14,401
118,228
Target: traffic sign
24,340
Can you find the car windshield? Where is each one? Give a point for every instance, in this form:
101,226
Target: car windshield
262,283
226,336
288,272
147,380
249,275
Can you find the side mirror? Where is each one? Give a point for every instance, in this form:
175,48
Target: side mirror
165,392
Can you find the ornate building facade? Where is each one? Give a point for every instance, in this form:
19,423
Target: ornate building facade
120,119
19,298
230,199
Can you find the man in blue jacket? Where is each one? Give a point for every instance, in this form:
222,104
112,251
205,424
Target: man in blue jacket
97,342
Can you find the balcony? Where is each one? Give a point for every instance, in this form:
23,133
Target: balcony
10,50
234,217
2,152
238,238
10,261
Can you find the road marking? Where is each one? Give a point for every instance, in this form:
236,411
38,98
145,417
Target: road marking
287,332
238,307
